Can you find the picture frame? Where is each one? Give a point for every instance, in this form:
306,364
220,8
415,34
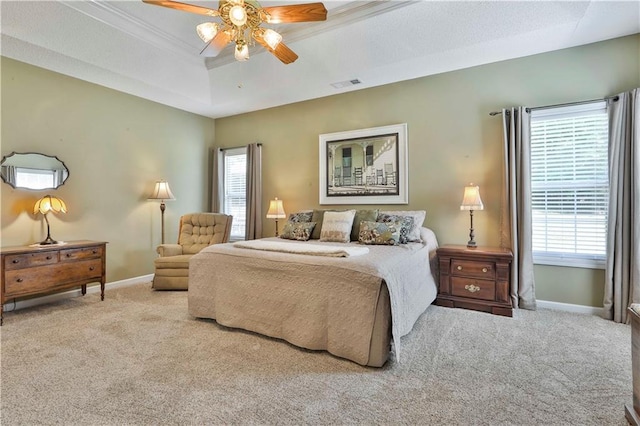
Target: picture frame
366,166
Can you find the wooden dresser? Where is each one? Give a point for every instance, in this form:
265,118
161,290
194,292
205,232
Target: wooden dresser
475,278
31,270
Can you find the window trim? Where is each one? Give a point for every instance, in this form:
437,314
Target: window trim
573,260
229,152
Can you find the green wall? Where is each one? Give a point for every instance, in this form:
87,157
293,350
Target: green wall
115,146
452,139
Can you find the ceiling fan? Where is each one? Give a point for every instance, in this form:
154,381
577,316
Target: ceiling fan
241,22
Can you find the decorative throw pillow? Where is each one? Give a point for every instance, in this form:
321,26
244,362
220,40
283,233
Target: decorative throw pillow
300,231
336,226
418,221
317,217
361,215
387,233
300,217
406,223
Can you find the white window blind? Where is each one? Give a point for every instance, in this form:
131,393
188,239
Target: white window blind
570,184
234,200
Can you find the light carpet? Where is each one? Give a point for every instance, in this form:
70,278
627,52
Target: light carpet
138,358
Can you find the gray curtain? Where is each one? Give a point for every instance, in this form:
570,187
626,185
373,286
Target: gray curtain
253,228
515,216
216,180
622,274
9,173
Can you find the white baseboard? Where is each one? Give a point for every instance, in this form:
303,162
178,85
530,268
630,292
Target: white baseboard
569,307
27,303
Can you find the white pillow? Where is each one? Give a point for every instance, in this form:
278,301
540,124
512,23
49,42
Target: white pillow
336,226
418,220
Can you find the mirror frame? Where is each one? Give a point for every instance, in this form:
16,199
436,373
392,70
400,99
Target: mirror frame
6,157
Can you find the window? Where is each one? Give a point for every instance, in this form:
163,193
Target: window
570,185
369,155
233,170
35,178
346,157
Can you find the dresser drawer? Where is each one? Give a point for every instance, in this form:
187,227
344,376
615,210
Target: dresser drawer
27,260
473,288
80,253
473,268
22,282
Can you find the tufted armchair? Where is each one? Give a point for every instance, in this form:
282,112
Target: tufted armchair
197,231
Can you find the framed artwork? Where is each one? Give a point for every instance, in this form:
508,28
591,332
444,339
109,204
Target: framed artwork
367,166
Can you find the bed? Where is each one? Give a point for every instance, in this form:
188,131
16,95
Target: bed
353,307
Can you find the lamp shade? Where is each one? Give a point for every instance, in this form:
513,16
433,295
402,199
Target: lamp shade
207,31
276,210
471,199
162,191
48,204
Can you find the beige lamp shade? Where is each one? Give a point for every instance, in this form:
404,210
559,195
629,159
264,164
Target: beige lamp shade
276,210
48,204
471,199
162,191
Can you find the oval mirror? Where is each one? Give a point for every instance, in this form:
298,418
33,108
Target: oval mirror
34,171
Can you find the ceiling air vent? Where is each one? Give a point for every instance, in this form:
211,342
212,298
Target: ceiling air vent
347,83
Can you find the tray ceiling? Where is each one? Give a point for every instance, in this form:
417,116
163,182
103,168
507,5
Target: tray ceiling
153,52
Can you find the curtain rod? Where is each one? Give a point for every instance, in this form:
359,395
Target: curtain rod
236,147
613,98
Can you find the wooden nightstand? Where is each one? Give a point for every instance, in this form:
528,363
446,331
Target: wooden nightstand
477,278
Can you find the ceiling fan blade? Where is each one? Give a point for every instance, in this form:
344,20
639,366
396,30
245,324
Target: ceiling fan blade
184,7
296,13
216,45
281,51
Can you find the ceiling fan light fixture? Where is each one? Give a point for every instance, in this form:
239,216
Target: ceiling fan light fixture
242,52
272,38
207,31
238,15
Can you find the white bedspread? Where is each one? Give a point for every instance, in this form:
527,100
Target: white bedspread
298,248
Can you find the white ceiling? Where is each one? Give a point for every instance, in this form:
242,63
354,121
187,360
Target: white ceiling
153,52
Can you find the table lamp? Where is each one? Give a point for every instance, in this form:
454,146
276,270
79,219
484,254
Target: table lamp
276,211
45,205
471,201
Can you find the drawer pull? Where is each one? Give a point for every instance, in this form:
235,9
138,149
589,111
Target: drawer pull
484,269
91,268
15,261
68,254
471,288
95,251
19,280
459,268
49,257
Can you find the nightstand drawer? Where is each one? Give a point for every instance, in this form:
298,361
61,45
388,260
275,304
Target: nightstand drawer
473,288
471,268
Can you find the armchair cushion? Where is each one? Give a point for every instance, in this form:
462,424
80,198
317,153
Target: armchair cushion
169,250
199,230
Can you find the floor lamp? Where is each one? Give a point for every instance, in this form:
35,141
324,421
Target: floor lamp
162,192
